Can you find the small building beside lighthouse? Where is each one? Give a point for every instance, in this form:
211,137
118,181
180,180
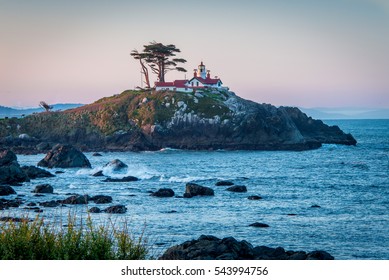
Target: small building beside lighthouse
201,80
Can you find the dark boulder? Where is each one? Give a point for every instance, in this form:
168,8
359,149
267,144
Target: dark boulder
98,174
51,203
315,206
76,199
10,171
210,248
237,189
13,203
101,199
297,256
7,157
64,156
266,253
97,155
116,165
34,172
35,209
193,189
44,188
59,172
41,147
116,209
14,219
319,255
94,210
213,248
254,197
260,225
224,183
6,190
120,180
164,192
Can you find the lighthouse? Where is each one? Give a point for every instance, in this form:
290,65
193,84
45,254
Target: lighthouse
201,72
201,80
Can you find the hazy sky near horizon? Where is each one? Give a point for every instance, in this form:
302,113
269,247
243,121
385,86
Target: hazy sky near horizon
309,53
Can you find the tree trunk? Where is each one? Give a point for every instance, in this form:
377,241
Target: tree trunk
145,73
161,69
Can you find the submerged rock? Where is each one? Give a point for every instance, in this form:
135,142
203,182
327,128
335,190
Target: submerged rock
51,203
64,156
116,165
76,199
12,203
98,174
124,179
34,172
116,209
164,192
94,210
193,189
101,199
14,219
254,197
224,183
208,247
260,225
44,188
237,189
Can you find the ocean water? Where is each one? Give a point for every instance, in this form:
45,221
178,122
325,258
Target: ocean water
350,184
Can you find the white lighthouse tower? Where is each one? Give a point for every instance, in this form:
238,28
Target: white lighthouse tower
201,72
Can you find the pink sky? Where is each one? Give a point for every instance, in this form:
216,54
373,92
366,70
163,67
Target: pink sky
310,53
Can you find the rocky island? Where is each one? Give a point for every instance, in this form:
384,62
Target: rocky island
138,120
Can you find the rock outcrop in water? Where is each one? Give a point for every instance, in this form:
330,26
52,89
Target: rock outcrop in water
10,171
212,248
34,172
64,156
192,189
210,120
6,190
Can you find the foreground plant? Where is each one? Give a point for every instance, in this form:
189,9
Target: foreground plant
37,240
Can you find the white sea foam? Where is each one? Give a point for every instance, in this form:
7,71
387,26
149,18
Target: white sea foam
136,170
71,186
85,171
183,179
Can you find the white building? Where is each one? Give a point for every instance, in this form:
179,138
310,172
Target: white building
201,80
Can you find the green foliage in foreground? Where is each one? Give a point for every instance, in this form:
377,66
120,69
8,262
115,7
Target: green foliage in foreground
37,240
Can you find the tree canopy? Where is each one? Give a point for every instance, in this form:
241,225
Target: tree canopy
160,58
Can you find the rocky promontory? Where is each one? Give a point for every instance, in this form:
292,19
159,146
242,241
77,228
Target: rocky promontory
152,120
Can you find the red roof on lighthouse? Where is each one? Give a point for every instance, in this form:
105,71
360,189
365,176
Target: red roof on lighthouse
207,81
176,83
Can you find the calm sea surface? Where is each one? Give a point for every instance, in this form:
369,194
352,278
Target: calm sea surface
350,184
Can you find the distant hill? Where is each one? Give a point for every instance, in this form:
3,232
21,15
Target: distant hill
18,112
346,113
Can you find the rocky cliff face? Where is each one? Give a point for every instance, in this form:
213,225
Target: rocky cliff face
152,120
